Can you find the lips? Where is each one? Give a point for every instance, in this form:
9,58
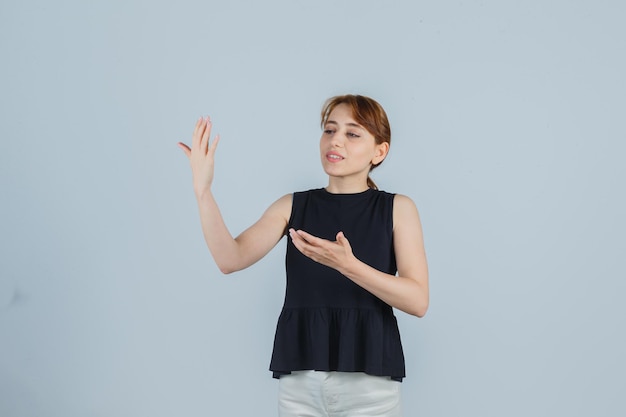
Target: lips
334,157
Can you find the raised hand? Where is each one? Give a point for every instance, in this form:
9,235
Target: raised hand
201,155
337,255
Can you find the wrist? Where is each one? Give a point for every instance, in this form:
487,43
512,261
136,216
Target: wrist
203,193
351,267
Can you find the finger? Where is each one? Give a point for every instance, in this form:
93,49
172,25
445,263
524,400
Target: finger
303,246
341,237
197,133
198,124
204,141
295,236
185,149
343,240
213,145
298,240
309,238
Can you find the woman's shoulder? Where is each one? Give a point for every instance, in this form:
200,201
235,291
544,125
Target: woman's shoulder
404,210
282,206
402,199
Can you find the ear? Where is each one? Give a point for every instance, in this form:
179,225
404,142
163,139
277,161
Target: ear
380,153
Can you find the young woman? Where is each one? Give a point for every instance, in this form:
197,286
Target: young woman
353,253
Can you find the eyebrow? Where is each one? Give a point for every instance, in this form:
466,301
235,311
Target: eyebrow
348,124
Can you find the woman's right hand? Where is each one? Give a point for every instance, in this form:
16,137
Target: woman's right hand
201,155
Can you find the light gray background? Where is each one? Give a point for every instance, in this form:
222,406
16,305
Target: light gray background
508,132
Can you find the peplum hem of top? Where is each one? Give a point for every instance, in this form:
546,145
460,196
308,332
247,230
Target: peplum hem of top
338,339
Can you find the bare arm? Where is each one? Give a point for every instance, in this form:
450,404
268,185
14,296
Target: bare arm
409,290
230,254
233,255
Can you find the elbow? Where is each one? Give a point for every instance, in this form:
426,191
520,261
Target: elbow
419,309
227,269
229,264
420,303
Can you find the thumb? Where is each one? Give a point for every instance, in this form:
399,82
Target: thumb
341,238
185,149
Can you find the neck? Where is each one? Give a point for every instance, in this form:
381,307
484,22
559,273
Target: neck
346,186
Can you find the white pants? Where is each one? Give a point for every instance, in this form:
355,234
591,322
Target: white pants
337,394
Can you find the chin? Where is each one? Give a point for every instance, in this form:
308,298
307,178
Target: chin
330,171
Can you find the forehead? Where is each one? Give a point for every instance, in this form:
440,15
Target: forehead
342,113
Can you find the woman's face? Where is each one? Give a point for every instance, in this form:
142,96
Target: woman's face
347,149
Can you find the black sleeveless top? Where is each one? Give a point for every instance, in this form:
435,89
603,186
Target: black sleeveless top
329,323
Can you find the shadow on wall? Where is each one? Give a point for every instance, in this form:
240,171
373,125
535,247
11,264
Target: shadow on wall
11,296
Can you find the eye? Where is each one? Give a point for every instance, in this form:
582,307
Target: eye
328,131
353,135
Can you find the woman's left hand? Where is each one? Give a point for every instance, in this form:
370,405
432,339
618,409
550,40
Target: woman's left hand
337,255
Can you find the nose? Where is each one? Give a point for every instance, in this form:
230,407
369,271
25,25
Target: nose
337,139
